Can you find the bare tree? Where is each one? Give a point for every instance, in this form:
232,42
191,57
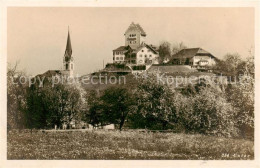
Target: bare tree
176,47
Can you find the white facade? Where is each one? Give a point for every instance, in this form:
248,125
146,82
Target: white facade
202,61
146,56
118,56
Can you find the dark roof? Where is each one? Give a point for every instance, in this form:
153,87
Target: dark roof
122,48
68,51
191,52
116,68
137,27
51,73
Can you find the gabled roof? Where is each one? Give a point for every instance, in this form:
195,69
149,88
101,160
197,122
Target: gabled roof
191,52
145,45
136,27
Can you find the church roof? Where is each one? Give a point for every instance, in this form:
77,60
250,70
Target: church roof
134,27
68,51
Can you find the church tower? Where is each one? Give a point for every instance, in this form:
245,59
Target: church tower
68,64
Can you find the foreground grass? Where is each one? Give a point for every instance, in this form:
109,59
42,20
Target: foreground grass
102,144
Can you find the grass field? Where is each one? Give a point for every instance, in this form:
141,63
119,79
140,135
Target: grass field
112,145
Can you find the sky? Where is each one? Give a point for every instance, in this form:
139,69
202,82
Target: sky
36,36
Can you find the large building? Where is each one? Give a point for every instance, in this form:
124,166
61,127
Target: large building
195,57
135,51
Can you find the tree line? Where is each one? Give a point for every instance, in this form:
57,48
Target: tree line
205,107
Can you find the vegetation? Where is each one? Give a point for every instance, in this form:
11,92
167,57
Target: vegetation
102,144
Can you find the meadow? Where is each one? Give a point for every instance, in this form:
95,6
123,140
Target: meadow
125,145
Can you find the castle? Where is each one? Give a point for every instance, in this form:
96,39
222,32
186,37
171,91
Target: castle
136,51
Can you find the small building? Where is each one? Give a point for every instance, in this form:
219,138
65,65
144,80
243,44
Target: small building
195,57
119,54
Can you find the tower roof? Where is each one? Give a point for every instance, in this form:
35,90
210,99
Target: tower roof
136,27
68,51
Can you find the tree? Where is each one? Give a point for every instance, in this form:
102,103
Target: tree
93,111
117,102
178,47
75,103
164,51
16,97
155,103
229,66
35,113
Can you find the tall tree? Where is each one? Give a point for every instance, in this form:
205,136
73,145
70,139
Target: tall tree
164,51
16,97
176,47
117,103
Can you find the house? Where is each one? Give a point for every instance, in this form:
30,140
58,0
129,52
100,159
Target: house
195,57
135,51
143,55
119,54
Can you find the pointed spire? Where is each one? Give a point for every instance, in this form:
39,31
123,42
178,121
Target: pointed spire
68,50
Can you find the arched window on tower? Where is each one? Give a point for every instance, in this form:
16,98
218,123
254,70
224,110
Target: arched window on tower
67,66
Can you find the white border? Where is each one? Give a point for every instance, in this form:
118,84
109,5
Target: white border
129,163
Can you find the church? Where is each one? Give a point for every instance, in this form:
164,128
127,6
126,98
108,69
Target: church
136,51
68,63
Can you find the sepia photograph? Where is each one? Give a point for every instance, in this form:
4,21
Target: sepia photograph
130,83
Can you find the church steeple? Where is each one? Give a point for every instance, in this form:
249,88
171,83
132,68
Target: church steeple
68,50
68,63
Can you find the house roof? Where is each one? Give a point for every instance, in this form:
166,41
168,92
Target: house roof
145,45
122,48
51,73
136,27
191,52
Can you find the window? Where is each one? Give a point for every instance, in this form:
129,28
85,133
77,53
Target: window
67,66
121,58
117,58
142,50
145,56
150,56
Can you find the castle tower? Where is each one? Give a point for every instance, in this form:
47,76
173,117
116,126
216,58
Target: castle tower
134,36
68,64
